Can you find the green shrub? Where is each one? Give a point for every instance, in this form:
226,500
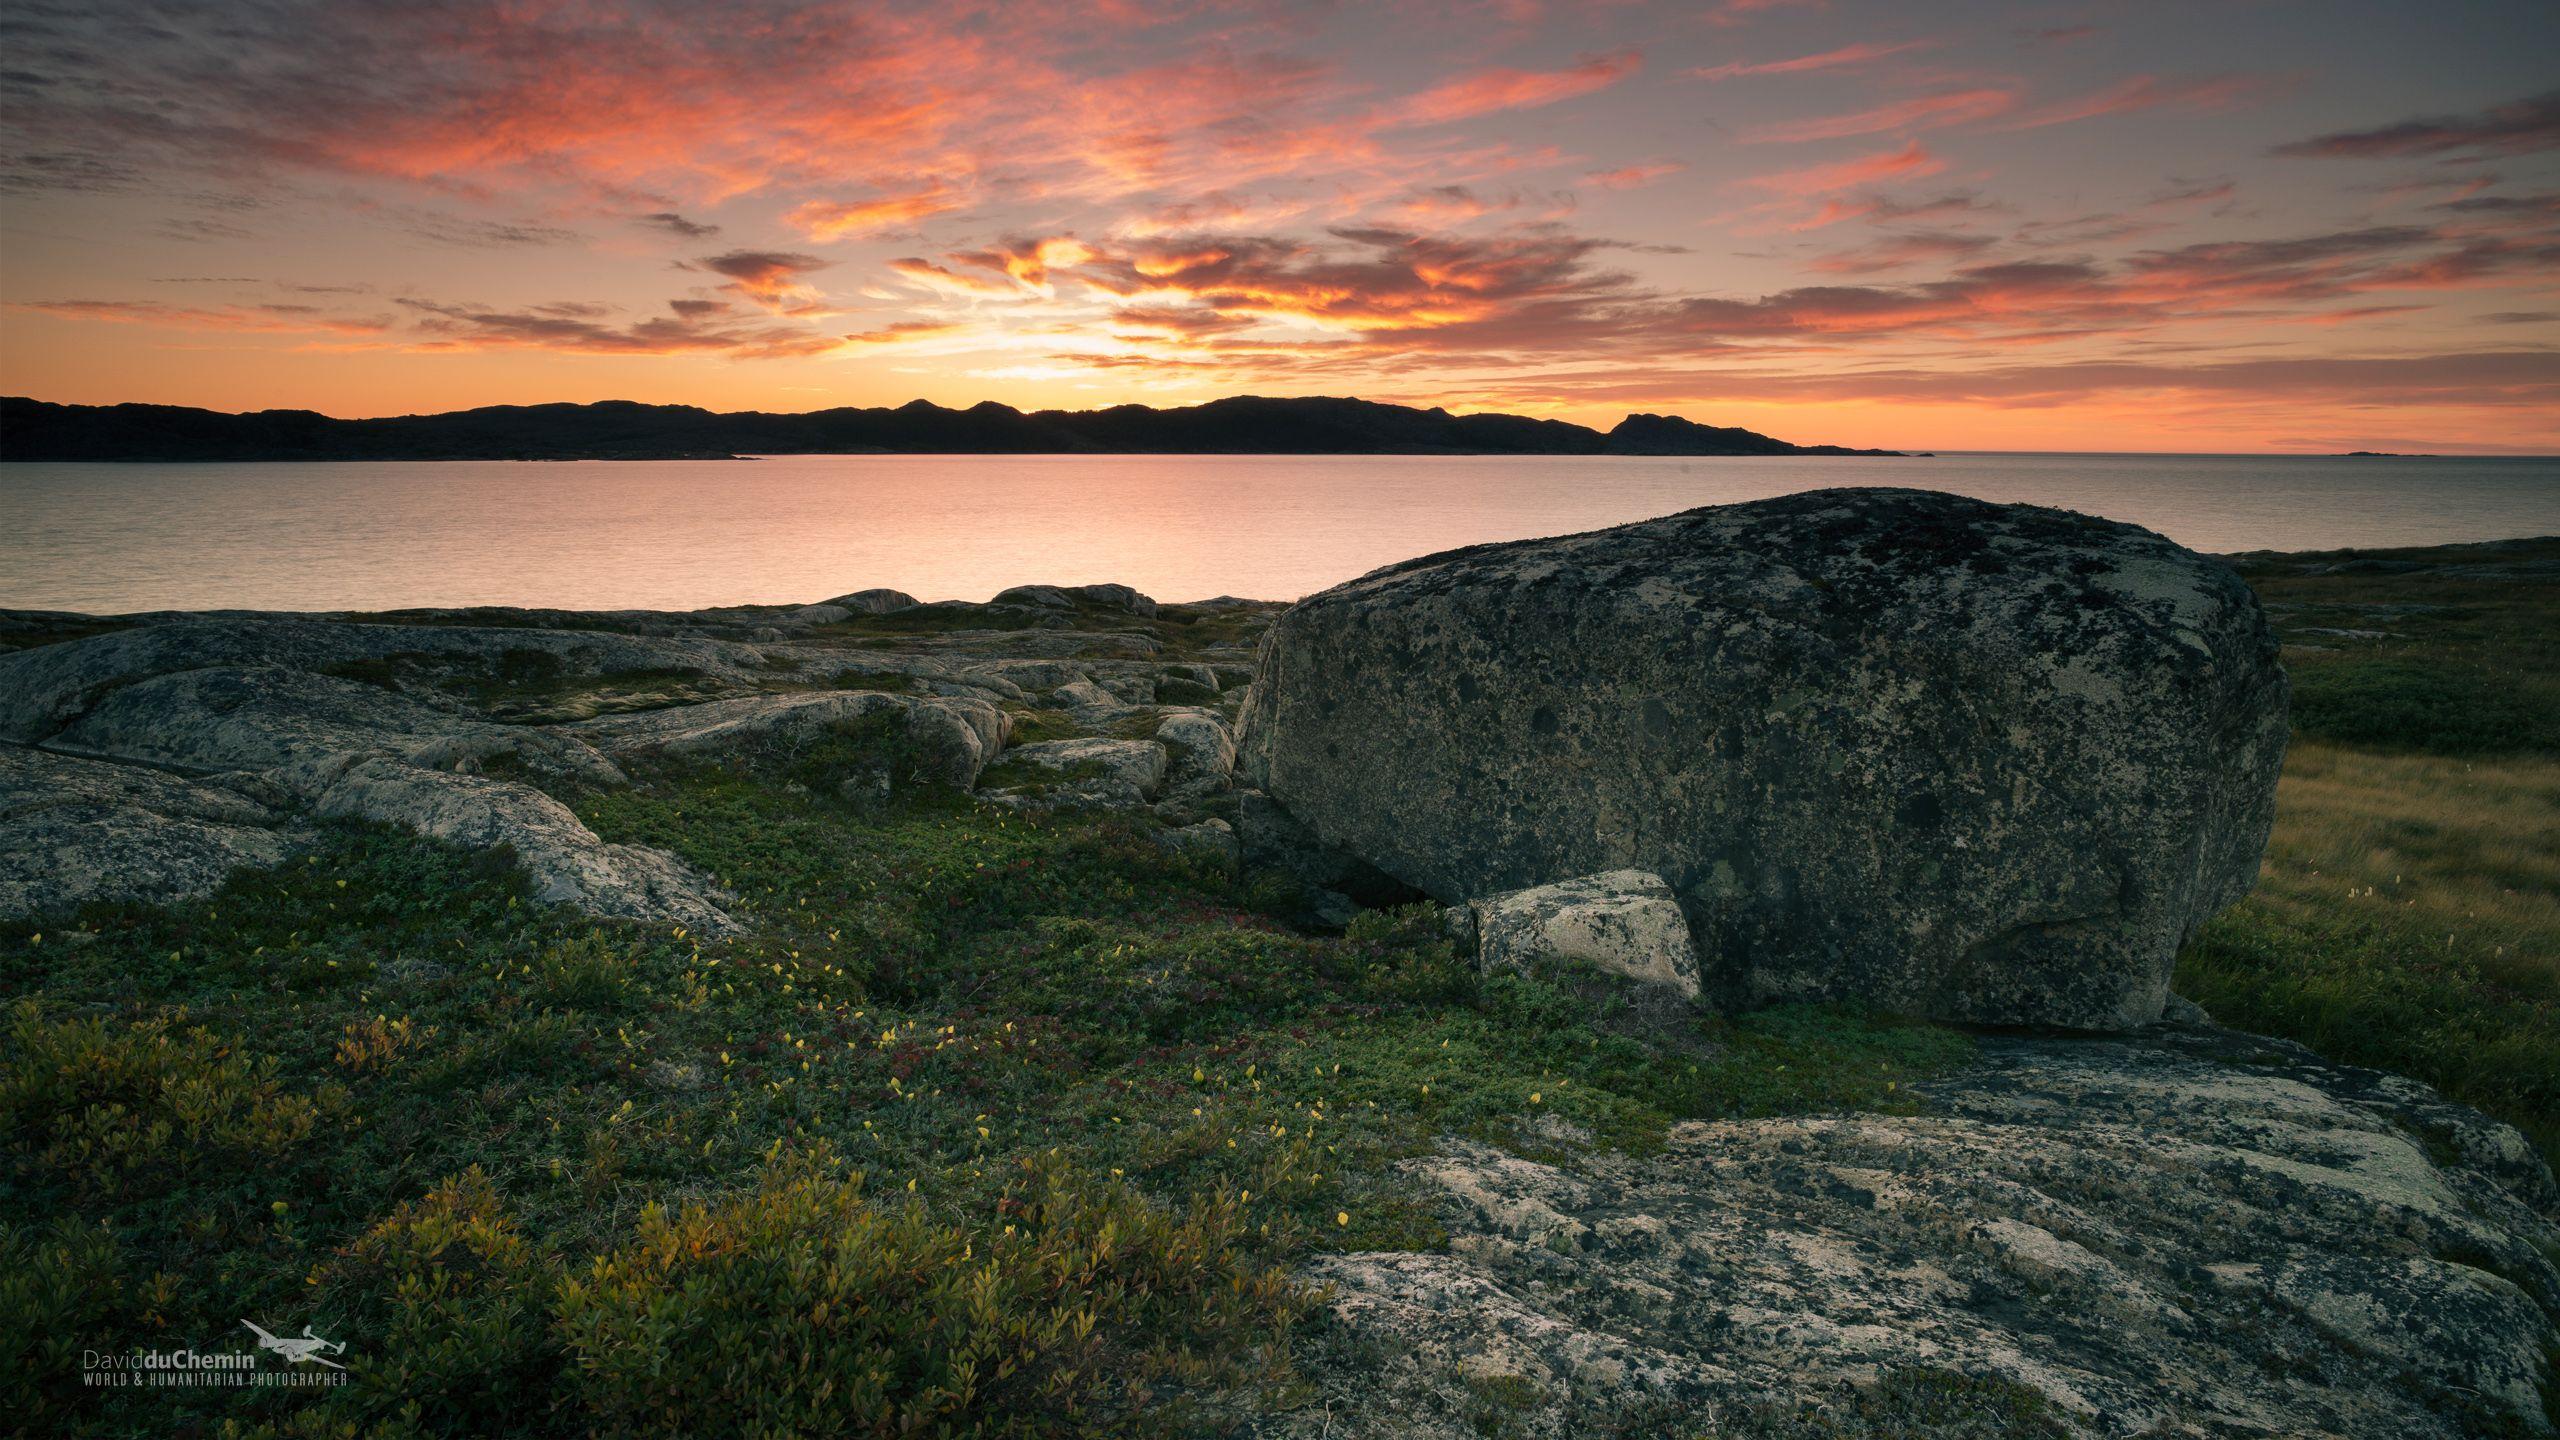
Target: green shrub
59,1288
122,1109
2372,990
804,1306
451,1299
2439,707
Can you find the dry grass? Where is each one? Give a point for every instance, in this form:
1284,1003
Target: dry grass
2465,849
2407,915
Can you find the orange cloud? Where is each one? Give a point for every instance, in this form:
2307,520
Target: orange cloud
826,220
903,332
280,319
935,277
770,278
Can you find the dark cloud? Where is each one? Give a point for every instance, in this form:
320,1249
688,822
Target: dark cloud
1907,248
573,327
763,266
676,224
71,171
2515,128
483,234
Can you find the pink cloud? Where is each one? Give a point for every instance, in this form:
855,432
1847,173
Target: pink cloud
1490,90
2145,92
1631,177
1911,159
1926,112
1845,58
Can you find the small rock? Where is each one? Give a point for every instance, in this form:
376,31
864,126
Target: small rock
1202,751
1212,840
1626,922
1092,771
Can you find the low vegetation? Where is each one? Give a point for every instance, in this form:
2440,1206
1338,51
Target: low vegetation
2408,914
997,1125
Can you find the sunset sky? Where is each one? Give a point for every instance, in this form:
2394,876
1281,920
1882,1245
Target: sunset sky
2239,225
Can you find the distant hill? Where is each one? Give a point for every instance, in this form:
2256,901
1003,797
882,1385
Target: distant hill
623,430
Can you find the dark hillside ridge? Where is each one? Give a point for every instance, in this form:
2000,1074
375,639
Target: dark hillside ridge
624,430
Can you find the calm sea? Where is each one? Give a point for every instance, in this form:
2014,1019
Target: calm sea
682,534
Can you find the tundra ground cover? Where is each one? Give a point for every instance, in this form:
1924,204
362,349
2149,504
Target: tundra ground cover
995,1124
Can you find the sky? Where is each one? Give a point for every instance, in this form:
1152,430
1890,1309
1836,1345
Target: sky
2244,225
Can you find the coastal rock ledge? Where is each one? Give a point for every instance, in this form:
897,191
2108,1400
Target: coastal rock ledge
1983,763
2188,1233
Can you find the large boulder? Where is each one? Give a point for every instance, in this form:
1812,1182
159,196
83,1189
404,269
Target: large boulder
1979,762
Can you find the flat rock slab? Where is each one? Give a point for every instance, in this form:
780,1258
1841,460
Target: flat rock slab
2157,1236
1985,763
1625,922
254,717
43,689
75,830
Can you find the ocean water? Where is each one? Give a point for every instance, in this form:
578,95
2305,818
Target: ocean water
684,534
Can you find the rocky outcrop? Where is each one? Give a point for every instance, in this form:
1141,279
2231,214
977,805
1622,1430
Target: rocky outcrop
1624,922
943,741
1977,762
1060,597
875,601
2203,1234
247,701
254,717
75,830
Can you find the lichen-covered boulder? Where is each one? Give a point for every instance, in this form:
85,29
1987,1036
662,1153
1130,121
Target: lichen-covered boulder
1973,761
